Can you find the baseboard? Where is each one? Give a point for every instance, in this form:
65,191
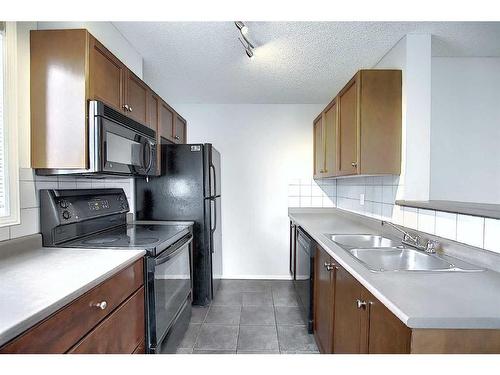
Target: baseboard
258,277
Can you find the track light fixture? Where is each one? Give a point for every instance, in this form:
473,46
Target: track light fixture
245,42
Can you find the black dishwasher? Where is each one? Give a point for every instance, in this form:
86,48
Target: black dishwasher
304,275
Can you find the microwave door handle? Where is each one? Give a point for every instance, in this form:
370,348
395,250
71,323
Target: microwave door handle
150,161
165,258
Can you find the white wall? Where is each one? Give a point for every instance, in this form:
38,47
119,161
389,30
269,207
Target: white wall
412,55
465,129
263,147
108,35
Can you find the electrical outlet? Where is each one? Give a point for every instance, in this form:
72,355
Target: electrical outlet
362,199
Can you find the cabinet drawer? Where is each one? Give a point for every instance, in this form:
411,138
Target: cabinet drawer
120,333
62,330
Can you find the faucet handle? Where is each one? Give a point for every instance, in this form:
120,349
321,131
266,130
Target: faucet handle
431,246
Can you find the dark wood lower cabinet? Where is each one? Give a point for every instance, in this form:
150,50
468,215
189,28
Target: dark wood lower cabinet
348,319
107,319
386,333
324,294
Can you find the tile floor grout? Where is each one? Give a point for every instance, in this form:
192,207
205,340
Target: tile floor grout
261,288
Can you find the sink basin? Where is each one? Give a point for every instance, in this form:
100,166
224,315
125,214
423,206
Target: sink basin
362,241
397,259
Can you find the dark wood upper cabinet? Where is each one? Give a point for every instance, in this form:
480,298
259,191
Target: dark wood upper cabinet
330,140
348,120
361,129
166,122
137,95
106,76
319,154
179,129
324,295
74,67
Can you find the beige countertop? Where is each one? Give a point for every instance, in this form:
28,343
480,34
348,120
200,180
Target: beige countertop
36,281
455,300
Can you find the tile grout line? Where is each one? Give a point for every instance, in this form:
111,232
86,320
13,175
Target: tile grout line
276,321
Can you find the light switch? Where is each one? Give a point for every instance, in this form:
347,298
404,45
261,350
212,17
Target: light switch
362,199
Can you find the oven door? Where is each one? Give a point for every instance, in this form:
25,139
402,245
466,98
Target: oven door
169,290
125,151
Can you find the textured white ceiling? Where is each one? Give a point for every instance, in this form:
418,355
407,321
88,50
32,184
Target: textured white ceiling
295,62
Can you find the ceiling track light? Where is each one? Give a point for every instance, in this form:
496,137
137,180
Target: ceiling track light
245,42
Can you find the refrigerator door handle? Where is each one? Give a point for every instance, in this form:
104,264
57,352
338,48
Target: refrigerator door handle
212,168
214,227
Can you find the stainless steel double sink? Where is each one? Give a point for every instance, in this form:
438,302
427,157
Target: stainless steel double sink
380,254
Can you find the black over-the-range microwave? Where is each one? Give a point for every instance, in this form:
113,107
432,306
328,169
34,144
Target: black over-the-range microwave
117,145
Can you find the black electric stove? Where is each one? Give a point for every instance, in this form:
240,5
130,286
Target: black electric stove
96,219
153,238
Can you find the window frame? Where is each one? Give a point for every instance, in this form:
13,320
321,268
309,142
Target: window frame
11,125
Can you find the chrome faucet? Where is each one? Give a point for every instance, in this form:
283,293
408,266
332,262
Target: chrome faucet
415,241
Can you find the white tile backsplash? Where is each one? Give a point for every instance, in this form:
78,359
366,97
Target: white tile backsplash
470,230
410,217
380,196
29,186
492,235
446,225
427,221
27,194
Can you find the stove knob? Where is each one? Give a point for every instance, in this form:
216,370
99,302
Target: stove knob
120,198
66,215
63,204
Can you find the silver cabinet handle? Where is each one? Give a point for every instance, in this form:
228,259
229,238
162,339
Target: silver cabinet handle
101,305
329,266
360,304
354,164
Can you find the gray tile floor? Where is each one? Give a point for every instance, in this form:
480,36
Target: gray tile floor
249,316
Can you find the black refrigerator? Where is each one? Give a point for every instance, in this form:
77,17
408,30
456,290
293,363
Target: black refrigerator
188,188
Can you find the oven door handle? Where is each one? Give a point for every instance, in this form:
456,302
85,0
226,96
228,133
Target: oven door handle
175,252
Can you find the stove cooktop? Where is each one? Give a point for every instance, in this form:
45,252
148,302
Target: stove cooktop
153,238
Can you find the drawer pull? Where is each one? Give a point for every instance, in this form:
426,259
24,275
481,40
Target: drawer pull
360,304
101,305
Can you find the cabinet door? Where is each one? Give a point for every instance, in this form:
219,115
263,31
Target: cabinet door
324,289
153,111
166,121
179,129
386,333
348,124
319,159
106,76
136,98
347,316
330,133
154,123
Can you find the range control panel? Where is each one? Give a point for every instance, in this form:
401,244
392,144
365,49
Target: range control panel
88,205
